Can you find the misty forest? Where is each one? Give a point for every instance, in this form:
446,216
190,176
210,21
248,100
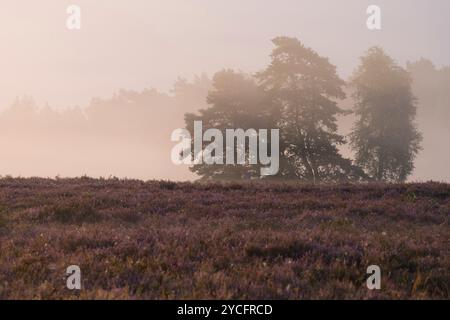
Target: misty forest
232,150
385,123
89,187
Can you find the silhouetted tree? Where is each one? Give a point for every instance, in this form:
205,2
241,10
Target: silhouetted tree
431,86
384,137
303,87
190,96
236,102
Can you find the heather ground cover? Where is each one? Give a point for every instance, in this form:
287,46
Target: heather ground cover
164,240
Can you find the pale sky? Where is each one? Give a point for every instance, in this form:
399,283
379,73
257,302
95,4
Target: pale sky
134,44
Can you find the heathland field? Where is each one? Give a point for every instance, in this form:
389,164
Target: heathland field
161,240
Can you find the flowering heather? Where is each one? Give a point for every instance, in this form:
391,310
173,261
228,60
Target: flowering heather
165,240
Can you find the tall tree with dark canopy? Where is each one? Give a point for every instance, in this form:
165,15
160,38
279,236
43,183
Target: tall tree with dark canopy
304,87
385,138
235,102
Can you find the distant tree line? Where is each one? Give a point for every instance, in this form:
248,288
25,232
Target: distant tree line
298,93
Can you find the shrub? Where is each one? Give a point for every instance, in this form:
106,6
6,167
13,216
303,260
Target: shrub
72,213
2,217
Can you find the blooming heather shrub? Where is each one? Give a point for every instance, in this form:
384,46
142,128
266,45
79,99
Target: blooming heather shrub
71,213
161,240
167,185
129,216
2,216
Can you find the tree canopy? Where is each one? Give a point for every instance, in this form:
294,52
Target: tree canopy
385,137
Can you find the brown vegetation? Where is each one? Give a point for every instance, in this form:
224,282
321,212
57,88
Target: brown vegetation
161,240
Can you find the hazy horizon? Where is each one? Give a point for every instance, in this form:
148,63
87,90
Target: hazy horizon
142,44
139,45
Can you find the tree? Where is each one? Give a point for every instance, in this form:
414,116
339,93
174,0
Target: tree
190,96
236,102
384,137
303,88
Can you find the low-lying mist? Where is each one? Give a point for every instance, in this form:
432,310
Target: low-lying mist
128,135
